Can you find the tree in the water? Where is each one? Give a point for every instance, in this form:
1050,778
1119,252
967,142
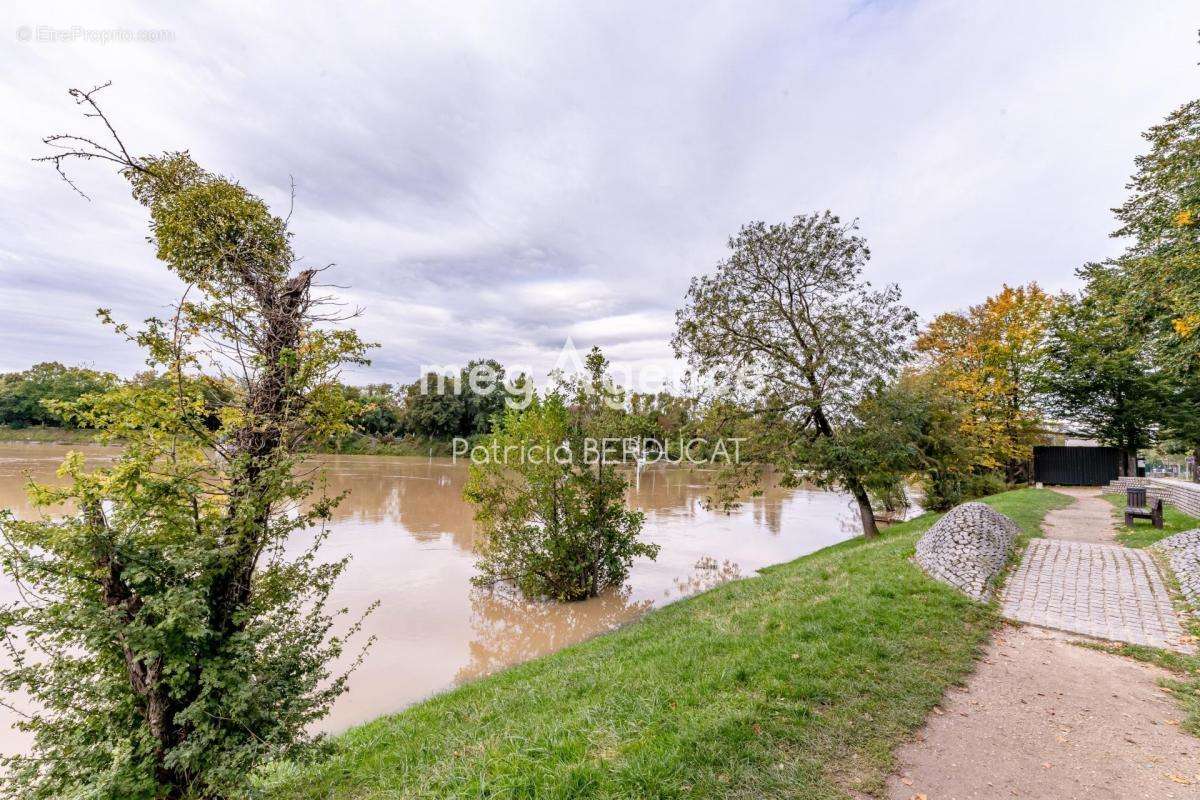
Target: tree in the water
170,640
551,501
789,308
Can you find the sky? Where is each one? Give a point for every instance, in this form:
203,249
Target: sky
494,179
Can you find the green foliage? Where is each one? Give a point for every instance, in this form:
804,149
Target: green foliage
1100,372
376,411
1161,218
1142,533
788,327
552,509
554,525
798,683
171,640
445,406
28,398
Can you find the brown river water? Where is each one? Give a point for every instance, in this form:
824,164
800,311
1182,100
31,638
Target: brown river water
410,534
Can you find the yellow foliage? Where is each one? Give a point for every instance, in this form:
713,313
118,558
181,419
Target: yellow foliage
988,356
1185,326
1185,218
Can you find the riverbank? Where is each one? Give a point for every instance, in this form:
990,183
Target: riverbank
47,435
799,682
355,445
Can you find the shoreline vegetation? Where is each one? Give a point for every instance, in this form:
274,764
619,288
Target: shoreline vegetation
348,446
798,682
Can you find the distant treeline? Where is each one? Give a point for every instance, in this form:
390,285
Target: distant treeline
33,397
382,417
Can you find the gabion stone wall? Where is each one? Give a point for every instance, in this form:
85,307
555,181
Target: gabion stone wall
1183,551
968,548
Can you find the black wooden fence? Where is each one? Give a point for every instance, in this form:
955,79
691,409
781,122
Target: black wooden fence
1076,466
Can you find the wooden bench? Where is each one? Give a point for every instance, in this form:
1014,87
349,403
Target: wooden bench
1137,506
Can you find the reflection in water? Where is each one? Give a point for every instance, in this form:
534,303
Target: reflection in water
410,535
708,575
507,629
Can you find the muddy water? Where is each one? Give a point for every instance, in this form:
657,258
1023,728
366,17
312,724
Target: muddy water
410,534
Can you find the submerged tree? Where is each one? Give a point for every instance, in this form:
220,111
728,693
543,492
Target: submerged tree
551,501
789,309
168,640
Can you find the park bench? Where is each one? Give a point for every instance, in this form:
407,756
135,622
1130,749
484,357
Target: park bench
1137,506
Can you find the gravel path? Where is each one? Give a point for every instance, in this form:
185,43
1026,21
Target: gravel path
1088,519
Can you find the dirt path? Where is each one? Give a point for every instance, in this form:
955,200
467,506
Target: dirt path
1044,718
1088,519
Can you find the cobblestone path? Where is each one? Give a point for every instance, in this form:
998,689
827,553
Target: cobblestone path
1102,590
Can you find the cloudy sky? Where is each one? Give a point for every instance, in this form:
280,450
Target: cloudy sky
493,178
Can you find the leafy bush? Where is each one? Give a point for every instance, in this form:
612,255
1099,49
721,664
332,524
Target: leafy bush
946,490
170,640
554,525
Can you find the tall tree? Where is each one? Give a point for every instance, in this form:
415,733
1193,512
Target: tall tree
790,308
1099,368
992,356
1161,220
176,646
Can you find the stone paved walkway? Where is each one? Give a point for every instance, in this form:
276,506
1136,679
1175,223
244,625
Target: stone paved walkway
1101,590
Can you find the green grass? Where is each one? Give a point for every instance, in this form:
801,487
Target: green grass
1144,534
1184,686
1026,507
797,683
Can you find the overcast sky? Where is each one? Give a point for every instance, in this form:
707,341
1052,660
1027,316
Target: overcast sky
492,178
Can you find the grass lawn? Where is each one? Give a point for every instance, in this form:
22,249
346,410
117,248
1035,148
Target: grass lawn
1144,534
796,683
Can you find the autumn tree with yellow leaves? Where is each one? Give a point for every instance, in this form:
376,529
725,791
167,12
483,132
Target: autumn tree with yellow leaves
990,357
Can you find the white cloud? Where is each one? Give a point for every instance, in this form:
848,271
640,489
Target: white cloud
492,178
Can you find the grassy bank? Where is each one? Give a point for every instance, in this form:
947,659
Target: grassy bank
1144,534
47,435
796,683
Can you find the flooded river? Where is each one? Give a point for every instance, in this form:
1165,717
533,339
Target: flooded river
410,533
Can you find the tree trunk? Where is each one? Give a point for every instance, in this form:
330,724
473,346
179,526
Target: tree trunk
870,529
1131,462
